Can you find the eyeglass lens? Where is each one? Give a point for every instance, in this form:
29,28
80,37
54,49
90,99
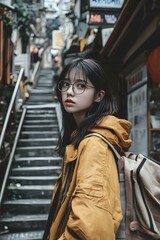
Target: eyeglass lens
78,87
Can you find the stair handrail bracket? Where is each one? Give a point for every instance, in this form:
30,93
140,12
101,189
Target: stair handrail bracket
13,98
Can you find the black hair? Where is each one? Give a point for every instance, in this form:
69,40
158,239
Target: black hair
93,71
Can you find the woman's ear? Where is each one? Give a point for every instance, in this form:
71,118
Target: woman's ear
99,96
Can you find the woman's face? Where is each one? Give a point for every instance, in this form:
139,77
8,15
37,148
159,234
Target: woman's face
78,98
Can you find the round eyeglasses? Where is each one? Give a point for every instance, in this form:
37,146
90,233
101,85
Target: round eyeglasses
78,87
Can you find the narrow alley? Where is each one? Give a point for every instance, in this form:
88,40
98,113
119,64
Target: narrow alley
38,39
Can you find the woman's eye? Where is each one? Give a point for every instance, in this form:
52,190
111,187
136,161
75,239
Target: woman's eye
65,84
81,85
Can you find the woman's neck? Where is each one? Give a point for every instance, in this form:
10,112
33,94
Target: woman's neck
78,117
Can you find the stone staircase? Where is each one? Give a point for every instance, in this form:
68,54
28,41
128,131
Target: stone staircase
35,167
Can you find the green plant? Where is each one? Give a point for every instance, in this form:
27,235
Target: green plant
25,17
23,20
7,19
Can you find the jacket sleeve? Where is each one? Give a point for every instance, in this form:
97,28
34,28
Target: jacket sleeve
91,215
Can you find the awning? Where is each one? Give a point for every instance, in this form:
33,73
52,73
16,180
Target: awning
6,5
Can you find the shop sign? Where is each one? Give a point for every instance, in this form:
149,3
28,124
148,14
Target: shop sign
57,39
105,19
117,4
136,78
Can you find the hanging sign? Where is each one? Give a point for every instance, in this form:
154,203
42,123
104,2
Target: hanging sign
137,115
106,3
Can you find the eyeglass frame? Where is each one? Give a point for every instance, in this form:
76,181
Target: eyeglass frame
72,84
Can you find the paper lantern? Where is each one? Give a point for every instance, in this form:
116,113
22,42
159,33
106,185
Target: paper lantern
153,65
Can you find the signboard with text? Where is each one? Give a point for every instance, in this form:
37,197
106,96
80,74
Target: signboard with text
57,39
114,4
136,78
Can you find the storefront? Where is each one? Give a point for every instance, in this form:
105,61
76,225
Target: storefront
143,110
129,49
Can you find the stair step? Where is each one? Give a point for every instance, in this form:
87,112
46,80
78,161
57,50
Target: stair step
24,222
42,126
47,85
38,139
36,151
32,103
37,142
36,171
33,180
40,116
18,191
38,160
38,134
39,101
36,147
30,235
44,86
42,111
45,91
39,96
34,206
51,127
40,122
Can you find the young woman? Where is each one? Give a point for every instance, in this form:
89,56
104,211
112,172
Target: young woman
86,200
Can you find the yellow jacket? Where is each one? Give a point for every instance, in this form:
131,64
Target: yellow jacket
89,206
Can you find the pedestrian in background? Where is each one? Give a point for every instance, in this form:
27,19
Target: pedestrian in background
86,201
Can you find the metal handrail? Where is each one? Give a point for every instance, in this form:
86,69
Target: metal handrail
35,73
20,76
36,70
12,155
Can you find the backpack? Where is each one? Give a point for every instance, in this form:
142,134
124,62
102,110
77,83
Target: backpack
139,178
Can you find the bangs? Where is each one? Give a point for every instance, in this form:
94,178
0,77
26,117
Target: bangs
76,73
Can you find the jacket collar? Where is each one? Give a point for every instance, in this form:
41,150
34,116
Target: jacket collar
71,153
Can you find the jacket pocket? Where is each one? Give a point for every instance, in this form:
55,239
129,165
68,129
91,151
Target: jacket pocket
90,190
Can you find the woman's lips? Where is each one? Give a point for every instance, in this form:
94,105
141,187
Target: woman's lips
69,102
